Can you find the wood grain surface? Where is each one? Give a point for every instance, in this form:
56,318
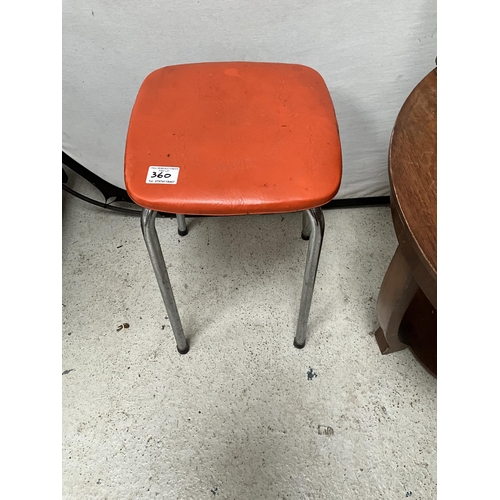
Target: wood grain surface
407,302
412,170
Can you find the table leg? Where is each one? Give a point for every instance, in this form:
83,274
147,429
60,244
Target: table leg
397,291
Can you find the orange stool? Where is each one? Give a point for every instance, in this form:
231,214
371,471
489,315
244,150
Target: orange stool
233,138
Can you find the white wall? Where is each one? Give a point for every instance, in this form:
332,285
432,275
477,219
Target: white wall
371,54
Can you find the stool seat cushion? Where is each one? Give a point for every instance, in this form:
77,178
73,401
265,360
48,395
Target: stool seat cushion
244,138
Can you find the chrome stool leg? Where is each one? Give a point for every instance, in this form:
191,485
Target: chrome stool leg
306,227
181,225
153,245
317,227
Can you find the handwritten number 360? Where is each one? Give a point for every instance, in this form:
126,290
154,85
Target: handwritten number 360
160,175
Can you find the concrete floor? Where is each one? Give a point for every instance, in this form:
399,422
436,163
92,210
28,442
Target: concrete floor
244,415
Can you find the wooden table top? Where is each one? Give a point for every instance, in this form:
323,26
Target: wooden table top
412,169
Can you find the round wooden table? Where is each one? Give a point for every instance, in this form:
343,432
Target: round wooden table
407,302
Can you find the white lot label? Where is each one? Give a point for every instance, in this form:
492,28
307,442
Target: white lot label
162,175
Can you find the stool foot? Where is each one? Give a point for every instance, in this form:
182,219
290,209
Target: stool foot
298,346
313,223
185,350
181,225
160,270
306,226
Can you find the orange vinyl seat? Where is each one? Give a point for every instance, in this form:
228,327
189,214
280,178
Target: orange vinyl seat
232,138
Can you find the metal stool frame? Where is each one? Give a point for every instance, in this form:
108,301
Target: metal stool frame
313,228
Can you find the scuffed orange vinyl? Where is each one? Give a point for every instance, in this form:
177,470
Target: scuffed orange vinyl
246,137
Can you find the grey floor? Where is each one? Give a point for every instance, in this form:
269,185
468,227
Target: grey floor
244,415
